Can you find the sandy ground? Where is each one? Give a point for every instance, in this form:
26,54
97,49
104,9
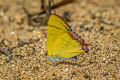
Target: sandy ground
96,21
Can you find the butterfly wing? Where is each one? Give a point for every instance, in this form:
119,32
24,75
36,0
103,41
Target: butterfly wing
56,26
59,43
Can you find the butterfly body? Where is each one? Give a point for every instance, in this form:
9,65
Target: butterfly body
62,43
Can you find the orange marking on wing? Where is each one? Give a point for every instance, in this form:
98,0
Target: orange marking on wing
81,41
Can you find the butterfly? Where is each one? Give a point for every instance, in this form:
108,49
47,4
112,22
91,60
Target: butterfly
62,43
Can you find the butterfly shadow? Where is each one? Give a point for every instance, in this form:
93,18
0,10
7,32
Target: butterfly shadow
69,63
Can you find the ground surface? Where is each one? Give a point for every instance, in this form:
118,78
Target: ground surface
96,21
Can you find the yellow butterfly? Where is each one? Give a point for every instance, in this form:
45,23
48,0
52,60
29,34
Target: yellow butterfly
62,42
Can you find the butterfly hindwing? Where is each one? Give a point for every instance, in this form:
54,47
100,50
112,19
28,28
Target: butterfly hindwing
66,47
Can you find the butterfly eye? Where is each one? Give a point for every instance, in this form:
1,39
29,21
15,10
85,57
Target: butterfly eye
46,54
